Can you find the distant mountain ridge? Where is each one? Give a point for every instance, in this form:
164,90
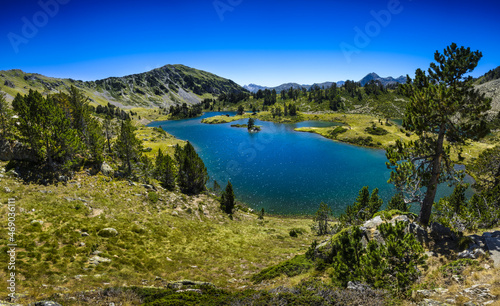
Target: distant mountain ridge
371,76
164,86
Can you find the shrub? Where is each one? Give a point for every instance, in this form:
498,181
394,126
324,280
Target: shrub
295,266
391,266
375,130
153,197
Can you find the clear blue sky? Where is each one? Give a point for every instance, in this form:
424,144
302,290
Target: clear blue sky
248,41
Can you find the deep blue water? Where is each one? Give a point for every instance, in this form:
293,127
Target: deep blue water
280,170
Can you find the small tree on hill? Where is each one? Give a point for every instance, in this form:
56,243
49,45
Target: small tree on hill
445,110
227,199
128,146
192,175
241,110
165,170
5,117
363,209
322,216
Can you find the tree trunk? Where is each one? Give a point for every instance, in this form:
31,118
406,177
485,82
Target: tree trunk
426,209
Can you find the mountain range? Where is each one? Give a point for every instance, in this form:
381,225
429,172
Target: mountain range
174,84
371,76
168,85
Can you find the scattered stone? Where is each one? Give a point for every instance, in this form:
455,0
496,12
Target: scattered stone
189,290
429,302
7,190
62,178
168,259
430,254
81,244
35,222
357,286
108,232
95,260
148,186
96,252
457,278
47,303
130,183
85,234
175,213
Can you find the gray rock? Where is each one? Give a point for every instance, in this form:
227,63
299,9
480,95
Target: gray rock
466,254
95,260
419,232
493,244
373,223
189,290
479,253
85,234
7,190
429,302
439,231
401,218
47,303
107,170
358,286
108,232
36,222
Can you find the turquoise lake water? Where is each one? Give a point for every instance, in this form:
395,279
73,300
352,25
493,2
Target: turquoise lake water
281,170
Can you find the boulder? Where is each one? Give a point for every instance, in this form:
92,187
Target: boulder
95,260
15,151
47,303
440,232
106,169
108,232
373,223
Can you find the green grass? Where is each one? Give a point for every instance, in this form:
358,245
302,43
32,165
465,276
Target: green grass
196,242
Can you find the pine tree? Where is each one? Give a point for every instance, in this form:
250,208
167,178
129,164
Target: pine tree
165,170
128,147
45,126
241,110
227,199
363,209
322,216
192,175
443,106
5,117
251,123
397,202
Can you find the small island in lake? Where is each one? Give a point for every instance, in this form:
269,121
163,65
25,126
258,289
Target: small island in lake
250,126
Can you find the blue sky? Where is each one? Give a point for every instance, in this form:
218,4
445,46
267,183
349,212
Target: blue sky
248,41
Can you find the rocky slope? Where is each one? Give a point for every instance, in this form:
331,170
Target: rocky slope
170,84
492,89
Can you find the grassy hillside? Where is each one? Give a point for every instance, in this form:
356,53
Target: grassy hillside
161,236
168,85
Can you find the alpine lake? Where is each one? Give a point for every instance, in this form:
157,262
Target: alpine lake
284,171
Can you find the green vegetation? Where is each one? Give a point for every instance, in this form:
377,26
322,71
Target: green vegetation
392,265
321,217
129,148
443,105
292,267
363,209
227,199
192,175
